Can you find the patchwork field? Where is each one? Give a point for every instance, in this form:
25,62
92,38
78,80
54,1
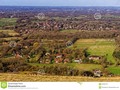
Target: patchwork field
13,35
7,22
100,47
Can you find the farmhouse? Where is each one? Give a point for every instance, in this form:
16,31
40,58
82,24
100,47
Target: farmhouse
58,58
47,61
94,57
78,60
97,73
5,43
66,60
47,58
17,55
47,54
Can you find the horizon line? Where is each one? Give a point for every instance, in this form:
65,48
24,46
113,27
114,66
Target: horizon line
54,6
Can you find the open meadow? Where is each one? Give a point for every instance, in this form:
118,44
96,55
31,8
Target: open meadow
7,22
100,47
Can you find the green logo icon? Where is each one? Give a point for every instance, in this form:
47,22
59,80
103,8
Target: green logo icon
100,87
3,85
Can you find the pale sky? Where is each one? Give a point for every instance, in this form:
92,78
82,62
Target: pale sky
59,2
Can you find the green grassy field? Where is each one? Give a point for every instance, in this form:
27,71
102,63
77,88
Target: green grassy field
115,70
7,21
82,67
99,47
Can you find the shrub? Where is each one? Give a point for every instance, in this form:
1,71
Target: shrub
15,65
87,73
61,70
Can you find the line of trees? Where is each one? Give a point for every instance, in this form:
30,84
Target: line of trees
116,53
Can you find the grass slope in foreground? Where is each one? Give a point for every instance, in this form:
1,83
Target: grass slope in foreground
26,77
